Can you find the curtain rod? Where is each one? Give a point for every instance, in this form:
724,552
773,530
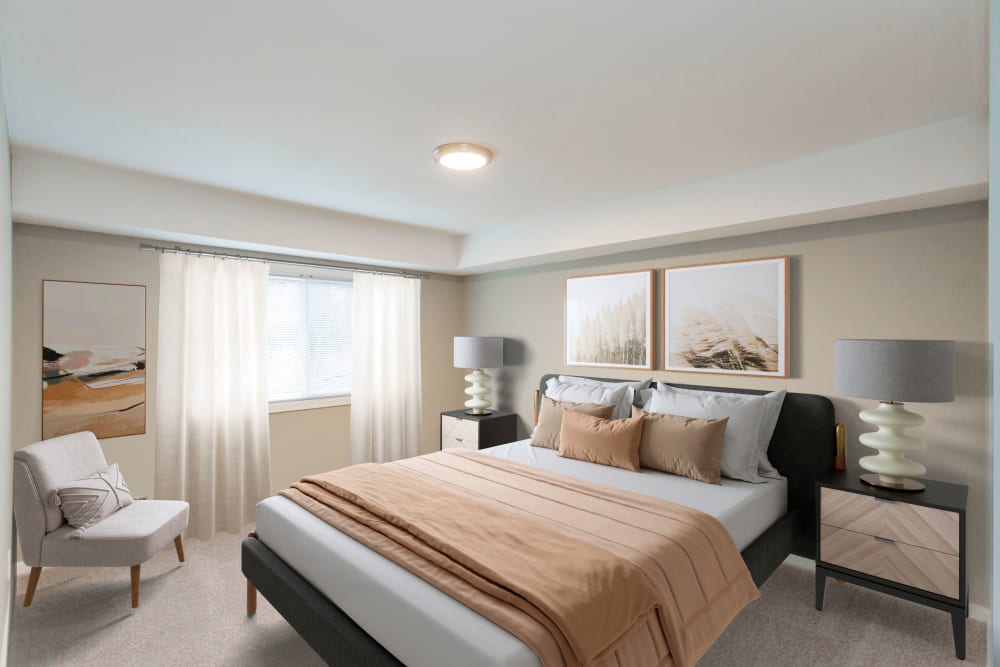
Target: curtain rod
269,260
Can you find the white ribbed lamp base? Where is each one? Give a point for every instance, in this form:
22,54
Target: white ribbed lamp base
892,443
478,405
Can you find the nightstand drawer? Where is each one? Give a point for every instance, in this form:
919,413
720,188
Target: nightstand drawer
916,525
851,511
457,432
921,526
921,568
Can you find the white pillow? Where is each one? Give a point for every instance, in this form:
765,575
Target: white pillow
617,396
623,410
751,422
764,466
772,409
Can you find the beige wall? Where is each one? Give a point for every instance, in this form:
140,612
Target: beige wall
915,275
302,442
308,441
50,253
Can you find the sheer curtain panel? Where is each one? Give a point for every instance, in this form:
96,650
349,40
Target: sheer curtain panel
212,444
386,396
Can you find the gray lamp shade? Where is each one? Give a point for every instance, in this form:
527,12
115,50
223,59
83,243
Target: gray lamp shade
478,351
907,371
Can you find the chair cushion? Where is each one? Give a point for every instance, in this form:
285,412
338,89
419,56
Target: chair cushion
94,498
127,537
57,462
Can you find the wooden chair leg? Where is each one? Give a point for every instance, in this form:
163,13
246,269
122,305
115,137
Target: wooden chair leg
29,595
251,598
135,585
179,545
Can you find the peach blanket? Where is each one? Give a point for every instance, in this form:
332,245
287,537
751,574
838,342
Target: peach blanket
582,573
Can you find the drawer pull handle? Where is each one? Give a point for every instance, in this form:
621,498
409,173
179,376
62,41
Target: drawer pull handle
458,440
884,539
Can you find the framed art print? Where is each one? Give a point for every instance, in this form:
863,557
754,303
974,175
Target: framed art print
609,320
93,359
727,318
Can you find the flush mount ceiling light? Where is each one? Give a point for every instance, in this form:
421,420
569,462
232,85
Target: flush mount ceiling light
462,156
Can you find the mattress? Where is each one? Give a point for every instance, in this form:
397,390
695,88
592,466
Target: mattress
424,627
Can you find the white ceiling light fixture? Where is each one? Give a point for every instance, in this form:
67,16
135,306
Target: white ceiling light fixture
462,156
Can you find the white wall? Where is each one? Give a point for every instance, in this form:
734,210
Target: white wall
6,471
935,165
61,191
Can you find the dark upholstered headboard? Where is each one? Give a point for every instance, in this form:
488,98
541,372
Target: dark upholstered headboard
802,448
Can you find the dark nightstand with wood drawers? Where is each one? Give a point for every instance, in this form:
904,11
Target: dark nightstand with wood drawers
477,431
907,544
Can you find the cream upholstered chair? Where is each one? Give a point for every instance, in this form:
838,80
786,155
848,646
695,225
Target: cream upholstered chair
126,538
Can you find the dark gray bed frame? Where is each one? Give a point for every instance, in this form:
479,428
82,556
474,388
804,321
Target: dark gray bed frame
803,448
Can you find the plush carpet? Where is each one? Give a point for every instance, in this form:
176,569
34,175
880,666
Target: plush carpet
193,614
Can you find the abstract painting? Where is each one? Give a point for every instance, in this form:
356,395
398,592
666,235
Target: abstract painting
93,359
609,319
727,318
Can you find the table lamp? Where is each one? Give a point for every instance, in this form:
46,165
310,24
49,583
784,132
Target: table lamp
478,352
894,372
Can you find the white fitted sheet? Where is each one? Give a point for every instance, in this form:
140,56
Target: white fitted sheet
424,627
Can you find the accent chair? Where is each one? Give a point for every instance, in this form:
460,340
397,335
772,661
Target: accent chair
129,537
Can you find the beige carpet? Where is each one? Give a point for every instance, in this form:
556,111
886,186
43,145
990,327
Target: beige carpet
193,614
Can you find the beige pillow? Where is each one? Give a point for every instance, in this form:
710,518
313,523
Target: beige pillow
610,442
682,445
550,418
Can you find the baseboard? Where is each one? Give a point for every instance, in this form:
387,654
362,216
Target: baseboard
977,612
980,613
800,562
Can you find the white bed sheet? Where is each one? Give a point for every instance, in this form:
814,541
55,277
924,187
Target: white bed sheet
424,627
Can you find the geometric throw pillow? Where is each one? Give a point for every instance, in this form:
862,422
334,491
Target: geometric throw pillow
92,499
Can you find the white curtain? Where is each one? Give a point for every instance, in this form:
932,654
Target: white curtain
385,391
212,444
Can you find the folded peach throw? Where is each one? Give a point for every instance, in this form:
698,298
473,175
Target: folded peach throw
582,573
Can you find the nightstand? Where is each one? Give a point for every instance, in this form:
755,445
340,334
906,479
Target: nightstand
477,431
907,544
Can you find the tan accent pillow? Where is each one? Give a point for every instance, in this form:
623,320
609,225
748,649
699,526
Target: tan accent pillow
682,445
550,418
610,442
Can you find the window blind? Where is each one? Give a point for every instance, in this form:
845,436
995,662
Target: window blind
308,338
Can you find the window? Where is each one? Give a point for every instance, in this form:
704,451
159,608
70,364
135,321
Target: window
308,338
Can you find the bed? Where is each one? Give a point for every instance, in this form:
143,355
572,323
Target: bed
356,607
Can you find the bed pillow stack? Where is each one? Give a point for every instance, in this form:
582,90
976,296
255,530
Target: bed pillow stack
751,422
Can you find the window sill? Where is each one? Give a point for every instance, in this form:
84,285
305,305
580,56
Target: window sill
308,404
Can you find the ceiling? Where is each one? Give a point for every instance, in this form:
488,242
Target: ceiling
338,105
